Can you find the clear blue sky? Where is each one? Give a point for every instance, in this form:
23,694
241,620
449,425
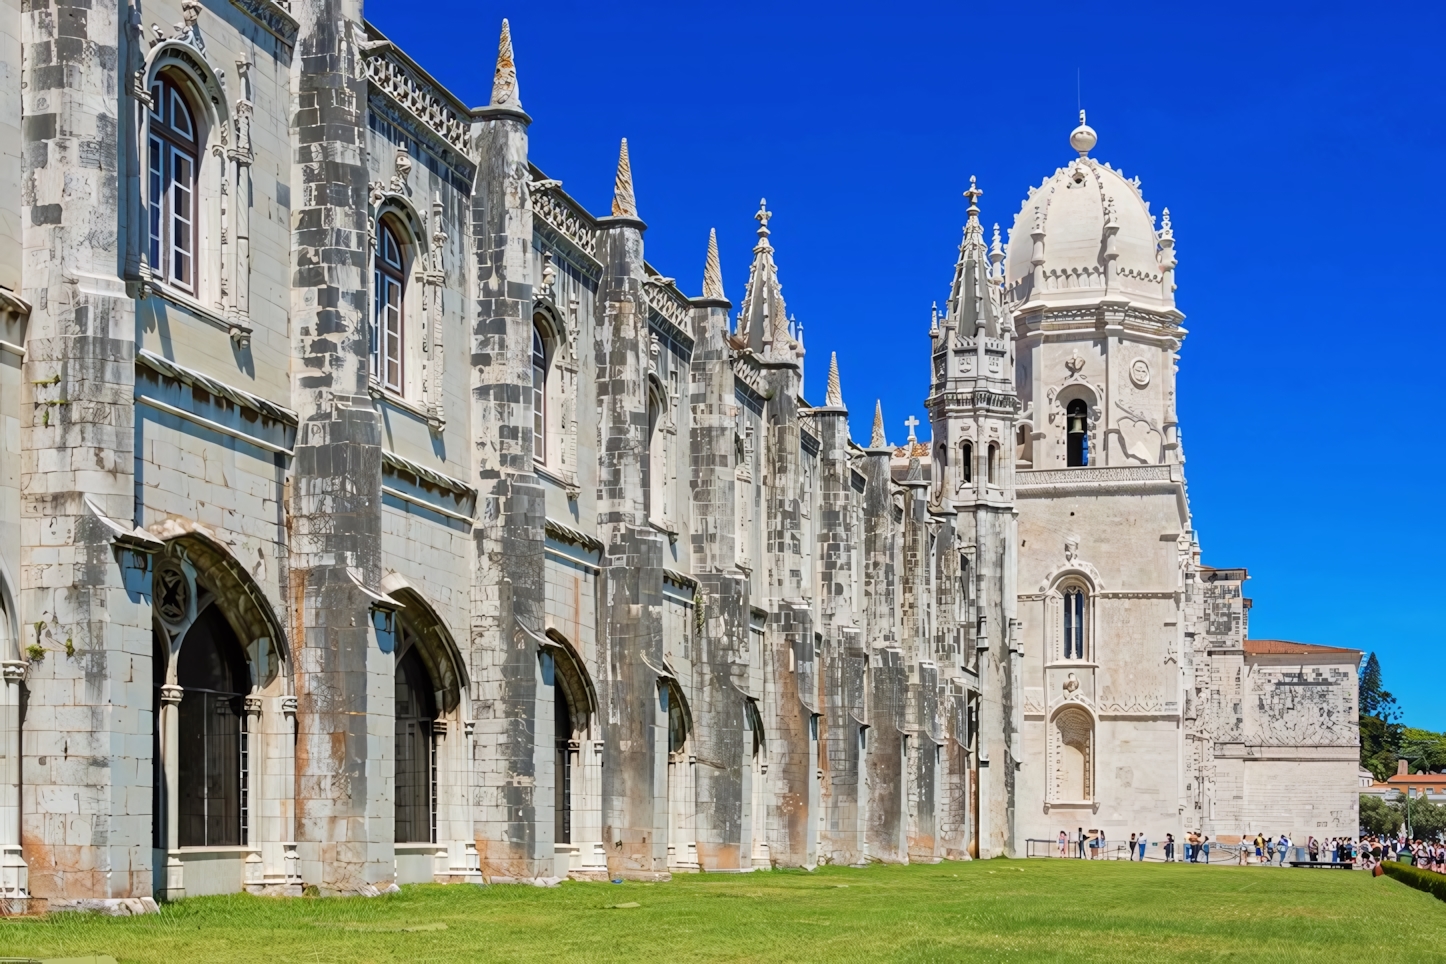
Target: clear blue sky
1300,152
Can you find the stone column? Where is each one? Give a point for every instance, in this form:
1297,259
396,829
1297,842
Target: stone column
883,764
791,696
171,773
14,876
631,645
85,831
513,825
721,666
844,662
344,680
253,876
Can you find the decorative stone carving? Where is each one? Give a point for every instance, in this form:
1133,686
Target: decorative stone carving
425,102
1140,373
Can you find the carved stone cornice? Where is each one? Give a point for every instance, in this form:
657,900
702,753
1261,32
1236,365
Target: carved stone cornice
565,216
411,89
275,17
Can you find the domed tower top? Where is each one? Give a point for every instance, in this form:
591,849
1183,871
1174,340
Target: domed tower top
1083,137
1086,235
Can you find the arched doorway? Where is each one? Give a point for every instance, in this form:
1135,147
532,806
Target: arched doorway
217,672
576,759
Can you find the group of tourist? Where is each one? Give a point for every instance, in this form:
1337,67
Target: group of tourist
1425,854
1266,849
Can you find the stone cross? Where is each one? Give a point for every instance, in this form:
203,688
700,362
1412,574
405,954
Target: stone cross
911,421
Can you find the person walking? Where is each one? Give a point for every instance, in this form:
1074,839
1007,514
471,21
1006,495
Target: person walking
1080,842
1284,848
1205,845
1169,848
1142,848
1313,848
1269,849
1063,844
1132,846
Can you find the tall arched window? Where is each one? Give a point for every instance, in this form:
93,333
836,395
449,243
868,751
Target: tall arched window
172,153
211,670
389,283
1074,623
966,464
416,772
1077,437
539,395
562,761
654,460
993,464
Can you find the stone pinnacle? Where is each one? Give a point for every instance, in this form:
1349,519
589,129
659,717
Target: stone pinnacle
712,272
878,441
624,204
504,81
834,397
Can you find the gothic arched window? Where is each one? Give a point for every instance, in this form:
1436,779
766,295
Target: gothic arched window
539,394
993,464
172,155
655,459
416,774
389,285
1075,614
966,464
1077,433
212,673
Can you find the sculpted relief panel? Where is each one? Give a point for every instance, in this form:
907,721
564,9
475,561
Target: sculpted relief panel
1300,706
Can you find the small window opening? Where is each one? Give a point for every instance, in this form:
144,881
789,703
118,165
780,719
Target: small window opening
1078,433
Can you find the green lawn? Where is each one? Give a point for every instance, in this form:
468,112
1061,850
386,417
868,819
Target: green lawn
986,910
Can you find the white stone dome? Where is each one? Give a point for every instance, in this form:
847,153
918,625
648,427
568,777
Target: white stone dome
1074,210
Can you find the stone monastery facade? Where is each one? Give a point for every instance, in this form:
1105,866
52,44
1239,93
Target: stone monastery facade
370,512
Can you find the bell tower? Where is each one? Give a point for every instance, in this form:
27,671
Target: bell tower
972,407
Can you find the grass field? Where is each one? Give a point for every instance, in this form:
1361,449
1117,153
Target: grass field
994,910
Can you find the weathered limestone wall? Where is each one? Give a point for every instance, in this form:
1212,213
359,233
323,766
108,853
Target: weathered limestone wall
86,754
343,674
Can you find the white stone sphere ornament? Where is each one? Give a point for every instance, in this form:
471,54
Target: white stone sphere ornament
1083,138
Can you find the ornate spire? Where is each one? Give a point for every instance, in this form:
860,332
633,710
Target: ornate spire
970,304
624,204
833,398
712,272
504,81
996,257
763,320
879,441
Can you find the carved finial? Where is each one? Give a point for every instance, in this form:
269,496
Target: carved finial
996,250
624,204
762,218
712,272
973,194
879,441
504,81
834,396
1165,231
934,319
1083,138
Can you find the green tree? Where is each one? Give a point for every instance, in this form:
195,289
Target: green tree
1427,819
1378,816
1381,734
1425,750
